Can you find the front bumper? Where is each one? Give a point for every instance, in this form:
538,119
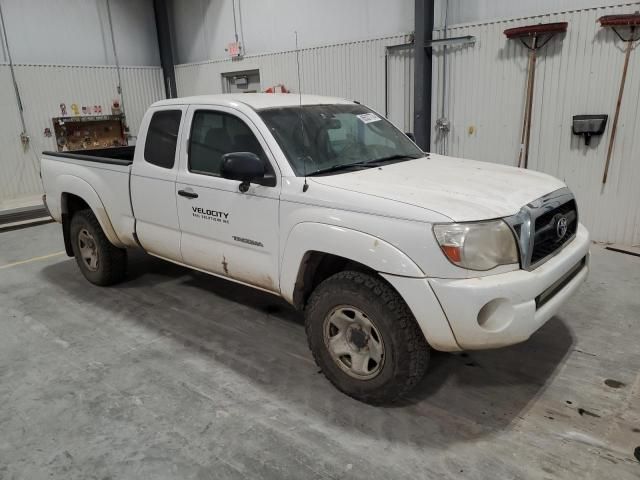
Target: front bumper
500,310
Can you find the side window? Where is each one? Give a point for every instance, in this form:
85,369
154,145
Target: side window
162,137
215,133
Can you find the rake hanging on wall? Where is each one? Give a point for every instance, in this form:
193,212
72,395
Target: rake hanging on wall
534,38
617,23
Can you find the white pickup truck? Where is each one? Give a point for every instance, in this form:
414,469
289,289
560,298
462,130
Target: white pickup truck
389,251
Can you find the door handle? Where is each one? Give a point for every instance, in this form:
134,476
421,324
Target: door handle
187,193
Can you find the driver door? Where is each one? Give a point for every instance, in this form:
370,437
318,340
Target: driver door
225,231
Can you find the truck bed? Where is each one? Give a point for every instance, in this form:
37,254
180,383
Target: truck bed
100,177
112,156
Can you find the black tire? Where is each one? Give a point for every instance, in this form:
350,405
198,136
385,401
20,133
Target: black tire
112,261
406,352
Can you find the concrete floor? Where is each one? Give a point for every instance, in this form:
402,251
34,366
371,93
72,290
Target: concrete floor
178,375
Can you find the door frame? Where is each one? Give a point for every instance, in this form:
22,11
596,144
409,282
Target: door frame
230,187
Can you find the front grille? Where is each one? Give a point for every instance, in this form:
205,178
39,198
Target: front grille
536,227
545,236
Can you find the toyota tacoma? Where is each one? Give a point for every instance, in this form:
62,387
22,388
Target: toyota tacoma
389,251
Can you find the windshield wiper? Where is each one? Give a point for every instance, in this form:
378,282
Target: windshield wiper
390,158
367,164
338,167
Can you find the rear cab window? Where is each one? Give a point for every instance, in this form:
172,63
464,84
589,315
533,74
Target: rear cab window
162,138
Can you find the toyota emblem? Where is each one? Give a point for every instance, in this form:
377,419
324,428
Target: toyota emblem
561,227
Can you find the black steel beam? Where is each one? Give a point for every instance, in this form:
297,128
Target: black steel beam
424,10
165,47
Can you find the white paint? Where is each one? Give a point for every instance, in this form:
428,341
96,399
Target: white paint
153,197
76,32
202,29
212,245
427,311
256,101
518,290
381,217
462,190
104,187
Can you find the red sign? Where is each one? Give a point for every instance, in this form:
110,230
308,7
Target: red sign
234,49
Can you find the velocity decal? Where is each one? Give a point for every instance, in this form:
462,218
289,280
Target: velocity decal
211,215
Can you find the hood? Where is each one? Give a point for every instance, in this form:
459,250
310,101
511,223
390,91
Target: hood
463,190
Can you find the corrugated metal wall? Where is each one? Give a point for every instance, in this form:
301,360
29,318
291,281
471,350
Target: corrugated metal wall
465,11
400,88
42,89
578,73
350,70
17,170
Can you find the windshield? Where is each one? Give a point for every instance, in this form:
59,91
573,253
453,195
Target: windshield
329,138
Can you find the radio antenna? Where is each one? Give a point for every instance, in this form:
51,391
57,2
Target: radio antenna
305,187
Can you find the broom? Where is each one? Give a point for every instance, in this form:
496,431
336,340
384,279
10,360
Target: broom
534,38
617,23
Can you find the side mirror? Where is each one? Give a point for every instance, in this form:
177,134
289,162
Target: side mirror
242,166
411,136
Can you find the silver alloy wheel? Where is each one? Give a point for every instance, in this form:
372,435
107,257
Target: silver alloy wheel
354,342
88,249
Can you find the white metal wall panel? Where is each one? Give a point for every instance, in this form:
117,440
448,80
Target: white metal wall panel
401,81
42,89
350,70
63,32
577,73
141,86
18,172
203,28
466,11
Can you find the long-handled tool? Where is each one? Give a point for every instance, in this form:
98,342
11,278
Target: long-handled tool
533,37
617,23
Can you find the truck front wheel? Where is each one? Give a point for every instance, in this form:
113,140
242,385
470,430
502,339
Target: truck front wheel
364,337
100,262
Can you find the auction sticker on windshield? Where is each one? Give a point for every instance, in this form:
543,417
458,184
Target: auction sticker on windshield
368,117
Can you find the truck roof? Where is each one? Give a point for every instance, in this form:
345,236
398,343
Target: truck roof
257,101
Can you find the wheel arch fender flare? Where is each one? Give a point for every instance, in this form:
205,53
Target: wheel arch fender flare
69,184
354,245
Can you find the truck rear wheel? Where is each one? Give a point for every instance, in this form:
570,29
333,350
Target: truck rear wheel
364,337
100,262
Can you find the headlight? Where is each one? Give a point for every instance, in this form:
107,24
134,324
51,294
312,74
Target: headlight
477,246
